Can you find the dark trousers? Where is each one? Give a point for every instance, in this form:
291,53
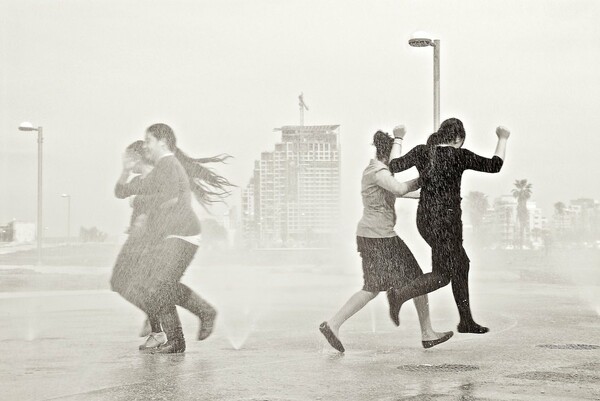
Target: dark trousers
168,260
124,269
154,285
441,228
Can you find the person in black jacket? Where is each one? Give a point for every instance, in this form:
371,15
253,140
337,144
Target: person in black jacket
441,163
173,232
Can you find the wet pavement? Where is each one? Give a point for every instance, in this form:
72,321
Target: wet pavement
70,338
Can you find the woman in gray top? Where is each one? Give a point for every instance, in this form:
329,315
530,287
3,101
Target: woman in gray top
386,260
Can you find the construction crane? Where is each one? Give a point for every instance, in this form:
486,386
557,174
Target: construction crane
302,106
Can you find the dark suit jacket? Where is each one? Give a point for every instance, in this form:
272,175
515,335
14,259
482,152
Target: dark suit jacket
168,180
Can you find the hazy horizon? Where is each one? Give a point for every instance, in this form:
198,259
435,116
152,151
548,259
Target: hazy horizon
224,74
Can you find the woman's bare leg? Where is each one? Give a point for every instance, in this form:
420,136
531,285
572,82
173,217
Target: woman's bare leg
353,305
427,332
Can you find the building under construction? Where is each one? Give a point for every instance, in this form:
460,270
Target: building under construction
293,198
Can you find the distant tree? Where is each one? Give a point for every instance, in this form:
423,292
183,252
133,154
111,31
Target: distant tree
522,192
559,208
559,217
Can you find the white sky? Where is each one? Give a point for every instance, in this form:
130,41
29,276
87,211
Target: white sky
224,73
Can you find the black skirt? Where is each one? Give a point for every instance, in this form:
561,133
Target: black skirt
387,263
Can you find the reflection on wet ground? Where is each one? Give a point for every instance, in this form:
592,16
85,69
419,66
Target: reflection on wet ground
570,346
445,367
82,344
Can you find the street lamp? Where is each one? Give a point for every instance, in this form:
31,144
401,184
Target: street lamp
422,39
27,126
68,217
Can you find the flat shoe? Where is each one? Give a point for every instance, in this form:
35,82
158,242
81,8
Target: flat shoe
442,339
330,337
473,328
170,347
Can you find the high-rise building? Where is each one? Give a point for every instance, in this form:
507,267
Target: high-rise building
293,198
502,220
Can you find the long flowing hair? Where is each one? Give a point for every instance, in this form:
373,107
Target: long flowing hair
208,186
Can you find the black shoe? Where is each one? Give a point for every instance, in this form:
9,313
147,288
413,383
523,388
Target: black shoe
472,328
207,324
442,339
330,337
395,304
176,346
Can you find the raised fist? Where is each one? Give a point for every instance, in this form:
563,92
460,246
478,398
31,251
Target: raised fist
399,131
502,132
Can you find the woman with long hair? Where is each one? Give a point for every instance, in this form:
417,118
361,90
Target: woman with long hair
173,232
441,163
386,260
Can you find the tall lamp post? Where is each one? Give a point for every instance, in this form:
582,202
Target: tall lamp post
26,126
68,217
422,39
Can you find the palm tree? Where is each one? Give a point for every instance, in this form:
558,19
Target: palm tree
522,192
477,206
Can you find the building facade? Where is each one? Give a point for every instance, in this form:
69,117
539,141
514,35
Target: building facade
501,220
293,198
17,231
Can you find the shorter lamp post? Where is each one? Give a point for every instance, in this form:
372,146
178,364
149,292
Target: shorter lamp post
68,217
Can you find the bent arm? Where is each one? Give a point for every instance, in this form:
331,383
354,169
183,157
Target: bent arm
160,182
124,189
475,162
396,149
399,133
405,162
385,180
501,148
121,191
413,195
503,134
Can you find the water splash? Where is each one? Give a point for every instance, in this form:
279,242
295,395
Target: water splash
31,332
32,319
238,331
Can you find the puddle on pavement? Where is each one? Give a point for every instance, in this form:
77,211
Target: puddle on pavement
593,366
570,346
557,377
438,368
424,391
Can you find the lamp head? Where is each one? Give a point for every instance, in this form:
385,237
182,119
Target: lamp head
420,39
66,195
27,126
